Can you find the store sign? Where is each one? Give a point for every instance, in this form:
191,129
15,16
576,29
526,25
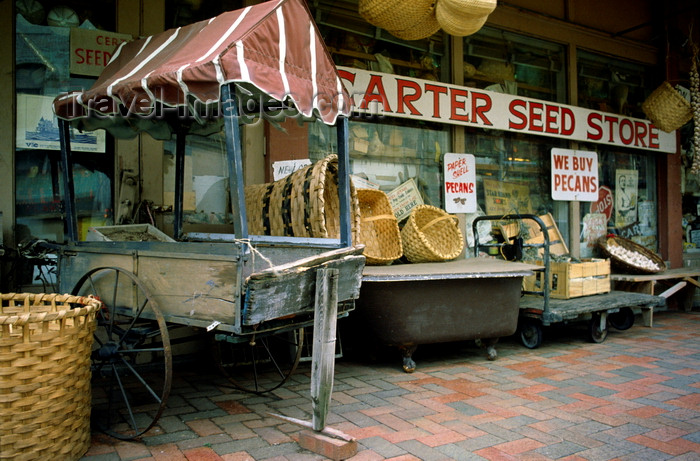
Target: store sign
380,94
460,183
91,50
604,204
574,175
404,199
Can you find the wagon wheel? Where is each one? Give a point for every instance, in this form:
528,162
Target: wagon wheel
597,333
131,356
530,331
261,363
622,319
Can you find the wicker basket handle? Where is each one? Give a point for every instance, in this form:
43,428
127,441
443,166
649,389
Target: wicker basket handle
436,220
378,217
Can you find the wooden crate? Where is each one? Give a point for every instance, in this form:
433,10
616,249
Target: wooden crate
557,246
572,280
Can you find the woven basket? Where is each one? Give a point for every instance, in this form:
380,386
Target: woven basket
630,257
45,399
303,204
667,108
463,17
431,234
407,20
379,230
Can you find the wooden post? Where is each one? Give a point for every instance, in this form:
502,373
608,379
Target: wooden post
323,356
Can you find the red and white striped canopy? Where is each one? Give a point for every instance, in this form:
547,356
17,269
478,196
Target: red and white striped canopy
273,46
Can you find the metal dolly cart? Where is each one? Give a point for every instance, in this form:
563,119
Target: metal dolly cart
538,309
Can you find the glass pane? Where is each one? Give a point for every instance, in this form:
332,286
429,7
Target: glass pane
627,204
509,63
388,155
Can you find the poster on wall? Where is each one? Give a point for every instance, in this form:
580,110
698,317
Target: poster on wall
37,127
625,197
460,183
595,226
506,198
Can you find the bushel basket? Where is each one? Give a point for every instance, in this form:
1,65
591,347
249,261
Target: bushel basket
430,235
630,257
379,230
412,20
45,398
303,204
667,108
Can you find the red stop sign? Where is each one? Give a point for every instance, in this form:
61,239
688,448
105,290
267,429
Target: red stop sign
605,202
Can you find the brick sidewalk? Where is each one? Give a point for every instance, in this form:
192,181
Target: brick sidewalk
634,397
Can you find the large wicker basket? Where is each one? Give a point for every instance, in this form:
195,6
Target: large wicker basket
431,235
667,108
303,204
379,229
630,257
45,399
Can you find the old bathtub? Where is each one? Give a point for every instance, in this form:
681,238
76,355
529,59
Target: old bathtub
407,305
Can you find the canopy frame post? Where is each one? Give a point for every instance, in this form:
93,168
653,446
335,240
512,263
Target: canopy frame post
180,152
342,127
229,107
71,220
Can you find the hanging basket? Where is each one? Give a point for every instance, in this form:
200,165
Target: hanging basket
630,257
379,230
45,398
407,20
667,109
303,204
430,235
463,17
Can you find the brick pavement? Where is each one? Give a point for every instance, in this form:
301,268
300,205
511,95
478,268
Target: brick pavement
634,397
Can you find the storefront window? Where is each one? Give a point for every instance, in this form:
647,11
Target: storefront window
513,175
509,63
385,155
612,85
53,54
353,42
627,204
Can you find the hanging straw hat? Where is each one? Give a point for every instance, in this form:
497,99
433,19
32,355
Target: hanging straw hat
407,20
463,17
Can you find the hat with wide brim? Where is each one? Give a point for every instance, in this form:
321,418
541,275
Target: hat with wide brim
463,17
408,20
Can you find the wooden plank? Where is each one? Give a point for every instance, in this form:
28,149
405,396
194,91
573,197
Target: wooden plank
292,292
677,273
323,355
675,288
457,269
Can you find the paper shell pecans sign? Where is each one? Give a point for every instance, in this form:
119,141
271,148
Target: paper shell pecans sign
460,183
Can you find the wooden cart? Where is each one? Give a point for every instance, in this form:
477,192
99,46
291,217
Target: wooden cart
538,309
254,294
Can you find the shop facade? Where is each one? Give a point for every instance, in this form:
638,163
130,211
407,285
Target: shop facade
568,76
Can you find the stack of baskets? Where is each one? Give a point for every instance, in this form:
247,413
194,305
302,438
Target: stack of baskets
303,204
667,108
430,234
379,229
45,398
463,17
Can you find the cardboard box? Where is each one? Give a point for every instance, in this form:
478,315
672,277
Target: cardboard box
572,280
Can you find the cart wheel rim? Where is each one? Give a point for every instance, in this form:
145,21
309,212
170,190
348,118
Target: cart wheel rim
596,334
530,333
128,397
622,320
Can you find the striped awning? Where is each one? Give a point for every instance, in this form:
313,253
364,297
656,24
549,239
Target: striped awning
270,50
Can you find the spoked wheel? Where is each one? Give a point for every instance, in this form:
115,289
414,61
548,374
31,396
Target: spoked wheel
622,319
131,356
259,364
598,328
530,331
